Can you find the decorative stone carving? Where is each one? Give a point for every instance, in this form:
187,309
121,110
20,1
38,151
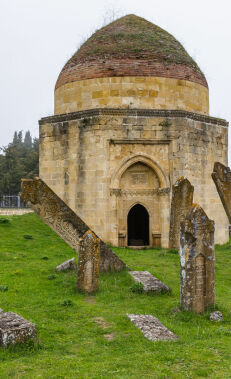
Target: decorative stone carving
15,329
139,192
152,328
222,179
197,261
67,224
88,263
182,199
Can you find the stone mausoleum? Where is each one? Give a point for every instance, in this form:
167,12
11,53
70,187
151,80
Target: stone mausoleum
131,117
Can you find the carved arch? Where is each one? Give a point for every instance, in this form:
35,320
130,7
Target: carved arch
139,158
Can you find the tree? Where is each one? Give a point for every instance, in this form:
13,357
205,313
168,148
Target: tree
28,140
20,159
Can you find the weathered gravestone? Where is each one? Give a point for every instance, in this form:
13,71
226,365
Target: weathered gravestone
150,283
88,263
222,178
152,328
15,329
67,265
197,261
66,223
182,199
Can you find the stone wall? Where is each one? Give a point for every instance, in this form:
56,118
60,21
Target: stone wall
14,211
133,92
88,157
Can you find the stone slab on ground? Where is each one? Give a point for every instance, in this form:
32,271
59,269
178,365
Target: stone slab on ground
15,329
67,265
152,328
150,282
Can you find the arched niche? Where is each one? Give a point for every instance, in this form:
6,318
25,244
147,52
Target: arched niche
139,158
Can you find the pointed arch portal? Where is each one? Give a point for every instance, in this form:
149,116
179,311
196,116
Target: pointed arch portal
138,226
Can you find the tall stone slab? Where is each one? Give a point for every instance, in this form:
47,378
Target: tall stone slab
182,199
88,263
197,261
222,179
66,223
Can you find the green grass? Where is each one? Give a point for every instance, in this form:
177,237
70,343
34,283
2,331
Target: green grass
72,326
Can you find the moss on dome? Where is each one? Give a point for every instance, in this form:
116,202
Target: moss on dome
133,35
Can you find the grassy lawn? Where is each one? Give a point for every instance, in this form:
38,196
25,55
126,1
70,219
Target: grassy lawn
84,336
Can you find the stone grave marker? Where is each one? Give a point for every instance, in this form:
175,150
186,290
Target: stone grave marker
88,263
150,282
152,328
197,261
66,223
222,178
182,199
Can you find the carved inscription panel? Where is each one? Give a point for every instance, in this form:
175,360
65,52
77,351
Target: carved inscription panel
140,176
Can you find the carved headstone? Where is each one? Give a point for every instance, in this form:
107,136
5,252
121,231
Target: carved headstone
197,261
222,178
88,263
182,199
55,213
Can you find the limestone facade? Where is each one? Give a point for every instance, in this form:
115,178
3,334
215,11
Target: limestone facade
103,162
133,92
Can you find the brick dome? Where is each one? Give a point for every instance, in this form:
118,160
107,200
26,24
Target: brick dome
130,47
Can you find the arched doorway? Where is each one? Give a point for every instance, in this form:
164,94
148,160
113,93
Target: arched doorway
138,226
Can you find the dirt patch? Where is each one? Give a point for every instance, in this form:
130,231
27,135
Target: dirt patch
109,336
102,323
90,300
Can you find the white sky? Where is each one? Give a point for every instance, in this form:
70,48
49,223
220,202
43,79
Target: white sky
38,36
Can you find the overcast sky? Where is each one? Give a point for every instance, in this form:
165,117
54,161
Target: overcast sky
38,36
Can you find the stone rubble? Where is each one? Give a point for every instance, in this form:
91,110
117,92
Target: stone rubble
150,282
15,329
67,265
152,328
216,316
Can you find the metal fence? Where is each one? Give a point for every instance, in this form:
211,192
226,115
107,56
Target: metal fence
12,201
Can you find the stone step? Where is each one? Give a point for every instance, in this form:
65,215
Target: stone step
150,282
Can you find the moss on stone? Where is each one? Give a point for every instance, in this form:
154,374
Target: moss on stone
131,35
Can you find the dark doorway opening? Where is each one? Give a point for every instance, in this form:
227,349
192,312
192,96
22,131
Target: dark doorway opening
138,226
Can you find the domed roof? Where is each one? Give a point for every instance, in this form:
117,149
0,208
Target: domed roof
131,46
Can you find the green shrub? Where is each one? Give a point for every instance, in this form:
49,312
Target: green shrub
28,237
3,288
137,287
51,277
67,303
4,221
